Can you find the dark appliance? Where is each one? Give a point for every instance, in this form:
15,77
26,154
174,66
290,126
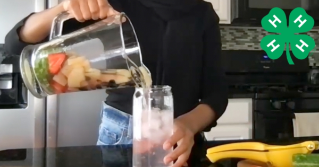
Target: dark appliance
13,94
314,74
278,90
13,155
252,11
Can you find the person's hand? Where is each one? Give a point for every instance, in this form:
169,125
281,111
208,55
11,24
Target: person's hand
183,136
83,10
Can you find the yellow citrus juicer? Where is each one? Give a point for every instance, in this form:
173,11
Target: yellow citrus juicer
276,155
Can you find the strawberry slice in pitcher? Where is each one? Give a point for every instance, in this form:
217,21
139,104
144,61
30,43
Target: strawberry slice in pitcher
58,88
56,61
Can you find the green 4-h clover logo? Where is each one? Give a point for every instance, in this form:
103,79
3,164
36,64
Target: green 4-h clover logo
276,22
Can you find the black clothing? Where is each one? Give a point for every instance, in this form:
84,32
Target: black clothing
172,9
181,45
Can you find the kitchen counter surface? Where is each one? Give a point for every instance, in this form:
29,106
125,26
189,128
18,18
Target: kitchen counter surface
110,156
84,156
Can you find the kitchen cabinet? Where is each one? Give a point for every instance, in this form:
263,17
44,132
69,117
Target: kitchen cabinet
223,9
235,123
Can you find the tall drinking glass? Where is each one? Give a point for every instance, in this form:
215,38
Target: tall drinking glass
153,117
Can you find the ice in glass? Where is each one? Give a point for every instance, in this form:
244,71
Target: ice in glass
153,124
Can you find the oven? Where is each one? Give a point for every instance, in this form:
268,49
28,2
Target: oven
273,114
278,90
255,10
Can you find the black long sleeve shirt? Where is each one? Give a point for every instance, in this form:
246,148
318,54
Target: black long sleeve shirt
190,56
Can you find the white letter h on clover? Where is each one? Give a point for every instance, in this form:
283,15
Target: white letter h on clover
300,21
273,22
301,47
273,46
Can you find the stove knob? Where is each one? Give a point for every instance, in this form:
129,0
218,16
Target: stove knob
276,104
291,105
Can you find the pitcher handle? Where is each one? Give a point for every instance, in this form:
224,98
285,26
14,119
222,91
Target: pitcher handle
57,24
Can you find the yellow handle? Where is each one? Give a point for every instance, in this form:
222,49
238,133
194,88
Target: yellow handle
253,155
279,156
247,146
310,145
257,146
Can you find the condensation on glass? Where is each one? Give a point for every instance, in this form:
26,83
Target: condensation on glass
153,118
104,55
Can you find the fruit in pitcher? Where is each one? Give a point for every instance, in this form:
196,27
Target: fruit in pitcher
60,79
58,88
117,76
93,74
69,72
55,62
75,77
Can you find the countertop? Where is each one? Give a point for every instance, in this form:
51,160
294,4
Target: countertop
85,156
100,156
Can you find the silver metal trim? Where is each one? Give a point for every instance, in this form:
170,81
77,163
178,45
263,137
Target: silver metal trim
6,69
6,81
52,3
6,84
39,122
51,129
40,5
52,120
39,104
39,112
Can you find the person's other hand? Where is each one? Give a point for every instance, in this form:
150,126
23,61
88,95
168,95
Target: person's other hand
83,10
184,138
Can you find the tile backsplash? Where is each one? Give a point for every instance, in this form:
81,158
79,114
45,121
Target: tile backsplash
248,38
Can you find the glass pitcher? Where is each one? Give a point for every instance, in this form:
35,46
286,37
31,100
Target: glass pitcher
104,55
153,116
